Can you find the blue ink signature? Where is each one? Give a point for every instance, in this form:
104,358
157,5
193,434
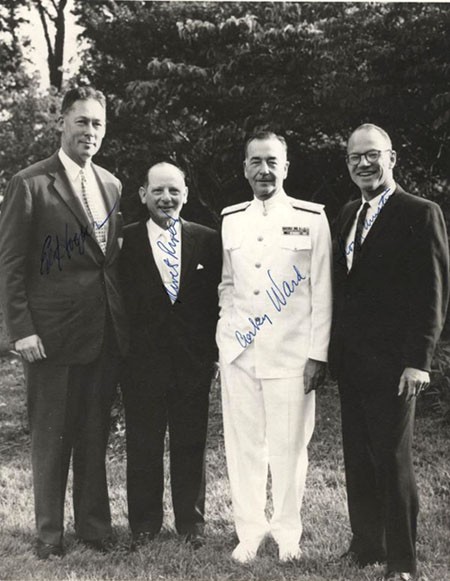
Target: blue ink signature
55,250
170,249
278,294
346,250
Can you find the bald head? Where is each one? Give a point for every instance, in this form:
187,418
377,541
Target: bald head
164,193
371,160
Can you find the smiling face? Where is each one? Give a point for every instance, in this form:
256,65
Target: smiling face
82,130
266,167
165,193
371,177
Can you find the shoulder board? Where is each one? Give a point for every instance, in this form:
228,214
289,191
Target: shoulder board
311,207
235,208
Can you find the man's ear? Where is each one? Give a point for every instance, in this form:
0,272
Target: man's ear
142,193
245,168
286,168
393,159
185,196
60,124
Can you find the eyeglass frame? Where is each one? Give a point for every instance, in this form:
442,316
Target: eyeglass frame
361,155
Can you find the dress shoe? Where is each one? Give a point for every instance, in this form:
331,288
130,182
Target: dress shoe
245,552
398,576
100,545
140,540
46,550
195,539
289,552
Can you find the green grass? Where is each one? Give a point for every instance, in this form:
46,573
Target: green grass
326,528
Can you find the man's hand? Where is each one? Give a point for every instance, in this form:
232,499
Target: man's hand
412,382
314,374
30,348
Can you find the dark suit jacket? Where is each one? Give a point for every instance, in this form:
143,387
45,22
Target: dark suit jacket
392,304
179,335
54,279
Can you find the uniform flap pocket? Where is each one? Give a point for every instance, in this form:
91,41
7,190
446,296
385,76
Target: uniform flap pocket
295,242
233,242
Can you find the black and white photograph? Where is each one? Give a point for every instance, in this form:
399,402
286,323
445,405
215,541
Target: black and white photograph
224,289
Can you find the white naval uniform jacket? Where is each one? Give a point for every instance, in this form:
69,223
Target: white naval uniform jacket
275,295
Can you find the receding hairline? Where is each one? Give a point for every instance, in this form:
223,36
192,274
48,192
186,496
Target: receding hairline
163,164
265,136
368,127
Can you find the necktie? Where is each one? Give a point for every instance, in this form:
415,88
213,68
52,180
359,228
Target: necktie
357,245
169,245
94,214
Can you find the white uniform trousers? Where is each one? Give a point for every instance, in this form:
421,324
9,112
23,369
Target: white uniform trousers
267,423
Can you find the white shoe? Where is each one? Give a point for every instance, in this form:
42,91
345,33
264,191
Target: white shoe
289,552
245,552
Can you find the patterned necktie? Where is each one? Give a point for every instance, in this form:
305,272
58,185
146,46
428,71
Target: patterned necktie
357,245
94,213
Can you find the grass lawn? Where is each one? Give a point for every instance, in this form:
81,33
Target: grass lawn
326,528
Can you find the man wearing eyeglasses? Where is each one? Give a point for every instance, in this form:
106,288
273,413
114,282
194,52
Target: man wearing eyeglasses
391,273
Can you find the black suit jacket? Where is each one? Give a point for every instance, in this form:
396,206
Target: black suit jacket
54,279
391,306
163,335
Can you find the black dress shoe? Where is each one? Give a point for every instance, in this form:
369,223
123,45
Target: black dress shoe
361,560
141,539
46,550
195,539
100,545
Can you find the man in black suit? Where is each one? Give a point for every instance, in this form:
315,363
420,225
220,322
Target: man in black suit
170,269
59,286
391,292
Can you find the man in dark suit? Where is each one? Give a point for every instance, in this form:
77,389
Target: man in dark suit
171,270
59,287
391,293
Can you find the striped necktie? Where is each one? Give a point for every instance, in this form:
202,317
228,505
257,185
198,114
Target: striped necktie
94,213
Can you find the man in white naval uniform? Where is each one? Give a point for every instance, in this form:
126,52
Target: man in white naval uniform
273,334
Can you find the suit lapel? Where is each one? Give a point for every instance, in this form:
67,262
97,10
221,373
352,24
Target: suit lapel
145,252
111,201
64,189
187,250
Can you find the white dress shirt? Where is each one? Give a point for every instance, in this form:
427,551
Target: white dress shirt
375,207
166,248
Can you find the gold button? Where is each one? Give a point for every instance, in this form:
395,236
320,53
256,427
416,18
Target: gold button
260,239
256,292
258,265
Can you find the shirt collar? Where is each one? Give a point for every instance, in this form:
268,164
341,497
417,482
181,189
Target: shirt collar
155,231
380,200
71,167
278,198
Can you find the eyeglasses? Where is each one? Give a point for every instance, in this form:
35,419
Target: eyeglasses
371,156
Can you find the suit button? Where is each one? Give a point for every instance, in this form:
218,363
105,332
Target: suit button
260,238
258,265
256,292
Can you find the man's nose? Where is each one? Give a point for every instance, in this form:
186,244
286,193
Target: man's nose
264,168
165,194
363,161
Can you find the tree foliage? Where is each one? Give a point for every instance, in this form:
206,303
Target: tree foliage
190,80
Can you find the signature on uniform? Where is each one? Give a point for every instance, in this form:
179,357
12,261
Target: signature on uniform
54,249
278,294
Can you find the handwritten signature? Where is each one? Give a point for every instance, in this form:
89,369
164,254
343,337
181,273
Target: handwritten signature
170,249
55,250
346,250
278,294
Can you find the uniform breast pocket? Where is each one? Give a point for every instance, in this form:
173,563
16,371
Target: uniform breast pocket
296,243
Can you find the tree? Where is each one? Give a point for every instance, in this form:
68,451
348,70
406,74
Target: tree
189,80
52,12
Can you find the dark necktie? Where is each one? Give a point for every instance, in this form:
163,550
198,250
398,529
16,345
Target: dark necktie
357,245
